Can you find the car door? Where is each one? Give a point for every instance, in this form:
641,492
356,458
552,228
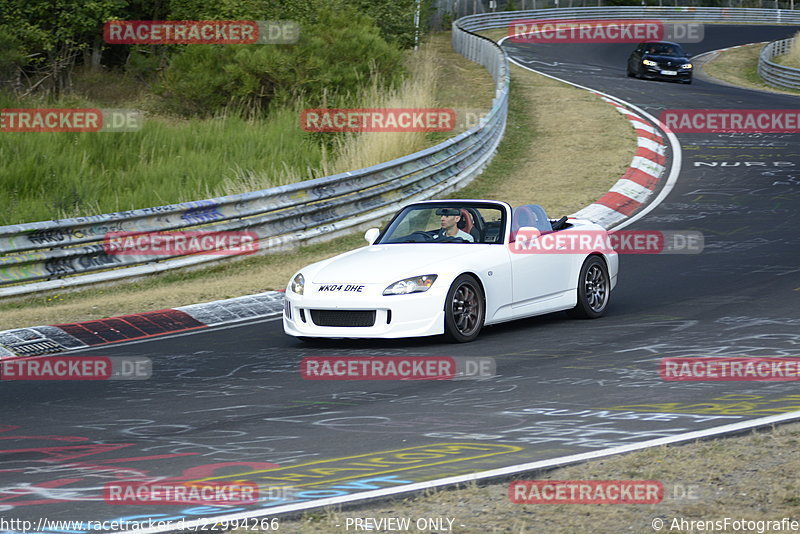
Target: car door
539,275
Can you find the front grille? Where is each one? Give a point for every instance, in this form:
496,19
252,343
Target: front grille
345,318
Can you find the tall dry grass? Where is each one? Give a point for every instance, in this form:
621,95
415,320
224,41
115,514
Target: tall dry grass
792,59
352,151
358,150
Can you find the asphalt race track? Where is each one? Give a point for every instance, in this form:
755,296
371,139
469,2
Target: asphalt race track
230,402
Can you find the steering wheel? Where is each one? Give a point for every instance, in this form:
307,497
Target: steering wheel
421,236
415,237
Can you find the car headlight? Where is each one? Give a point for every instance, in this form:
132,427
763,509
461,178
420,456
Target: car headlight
298,283
649,63
416,284
686,66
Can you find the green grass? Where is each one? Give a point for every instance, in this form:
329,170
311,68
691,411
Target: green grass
739,66
517,141
55,175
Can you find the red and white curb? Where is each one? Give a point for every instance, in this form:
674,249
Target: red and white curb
625,203
637,185
40,340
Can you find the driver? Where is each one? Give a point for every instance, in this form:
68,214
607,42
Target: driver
449,224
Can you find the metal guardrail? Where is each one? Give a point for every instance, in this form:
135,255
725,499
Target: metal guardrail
52,254
774,73
488,21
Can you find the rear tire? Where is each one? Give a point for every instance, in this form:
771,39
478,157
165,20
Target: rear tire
464,309
594,290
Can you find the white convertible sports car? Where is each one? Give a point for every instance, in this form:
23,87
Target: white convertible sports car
451,267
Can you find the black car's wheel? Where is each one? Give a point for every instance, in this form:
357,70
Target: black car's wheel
464,309
594,289
688,80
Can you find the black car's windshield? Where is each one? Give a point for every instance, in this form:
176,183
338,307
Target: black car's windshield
446,223
661,49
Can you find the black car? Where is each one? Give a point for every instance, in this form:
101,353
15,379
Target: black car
662,60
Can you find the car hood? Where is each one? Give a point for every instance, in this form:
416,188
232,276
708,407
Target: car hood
661,59
389,263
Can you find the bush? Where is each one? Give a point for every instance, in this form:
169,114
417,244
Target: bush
335,56
142,62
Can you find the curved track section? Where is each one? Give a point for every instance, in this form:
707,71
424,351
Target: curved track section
228,403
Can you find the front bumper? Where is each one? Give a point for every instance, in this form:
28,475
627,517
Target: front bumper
658,73
412,315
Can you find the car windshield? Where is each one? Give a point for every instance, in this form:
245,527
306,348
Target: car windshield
661,49
446,223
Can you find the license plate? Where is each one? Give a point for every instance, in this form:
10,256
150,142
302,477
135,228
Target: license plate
669,72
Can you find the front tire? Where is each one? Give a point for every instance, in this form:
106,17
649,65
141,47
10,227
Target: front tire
464,309
594,290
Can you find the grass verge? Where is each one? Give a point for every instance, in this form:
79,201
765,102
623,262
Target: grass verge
544,158
792,59
751,477
529,167
739,67
47,176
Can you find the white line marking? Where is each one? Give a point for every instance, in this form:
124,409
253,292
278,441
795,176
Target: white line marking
493,473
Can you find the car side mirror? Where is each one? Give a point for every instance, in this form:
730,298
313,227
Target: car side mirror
371,235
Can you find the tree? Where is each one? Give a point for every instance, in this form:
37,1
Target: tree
335,56
55,33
